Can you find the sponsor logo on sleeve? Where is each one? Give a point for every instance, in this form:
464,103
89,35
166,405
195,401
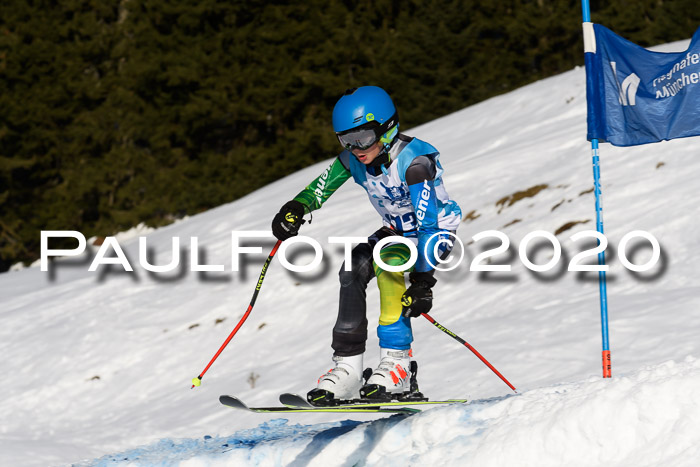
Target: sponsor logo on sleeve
423,202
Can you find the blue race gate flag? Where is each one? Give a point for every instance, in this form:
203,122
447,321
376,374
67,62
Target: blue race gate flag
636,96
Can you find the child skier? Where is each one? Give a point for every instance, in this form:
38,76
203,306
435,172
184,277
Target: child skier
403,179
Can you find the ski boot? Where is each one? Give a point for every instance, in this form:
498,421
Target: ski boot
339,384
394,379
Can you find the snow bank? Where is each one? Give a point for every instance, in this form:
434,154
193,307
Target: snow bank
647,417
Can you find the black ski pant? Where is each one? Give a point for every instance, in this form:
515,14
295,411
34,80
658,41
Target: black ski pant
350,330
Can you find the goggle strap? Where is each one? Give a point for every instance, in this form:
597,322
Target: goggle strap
388,137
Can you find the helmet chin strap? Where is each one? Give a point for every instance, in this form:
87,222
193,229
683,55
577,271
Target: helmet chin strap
382,158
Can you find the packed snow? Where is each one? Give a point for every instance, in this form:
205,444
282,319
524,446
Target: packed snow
98,365
647,417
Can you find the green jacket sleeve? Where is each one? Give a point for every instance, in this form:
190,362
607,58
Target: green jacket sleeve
318,191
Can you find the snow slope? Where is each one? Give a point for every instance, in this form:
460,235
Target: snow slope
648,417
98,363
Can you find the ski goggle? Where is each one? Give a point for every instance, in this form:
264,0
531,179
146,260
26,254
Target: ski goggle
362,138
366,135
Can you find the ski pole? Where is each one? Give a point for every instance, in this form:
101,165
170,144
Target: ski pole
198,380
466,344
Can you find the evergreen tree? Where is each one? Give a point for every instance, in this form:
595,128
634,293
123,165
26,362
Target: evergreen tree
125,111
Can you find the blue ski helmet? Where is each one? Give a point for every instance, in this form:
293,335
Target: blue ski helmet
364,115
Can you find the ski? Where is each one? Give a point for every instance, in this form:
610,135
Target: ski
236,403
295,400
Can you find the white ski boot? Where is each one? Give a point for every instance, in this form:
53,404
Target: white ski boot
341,383
393,377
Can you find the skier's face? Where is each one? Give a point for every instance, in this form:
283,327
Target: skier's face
366,156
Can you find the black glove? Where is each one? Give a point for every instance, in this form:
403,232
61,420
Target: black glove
287,222
418,298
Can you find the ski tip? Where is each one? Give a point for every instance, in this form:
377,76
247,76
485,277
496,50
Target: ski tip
293,400
231,401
